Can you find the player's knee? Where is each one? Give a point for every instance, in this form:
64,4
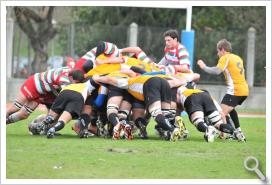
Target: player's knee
25,112
17,104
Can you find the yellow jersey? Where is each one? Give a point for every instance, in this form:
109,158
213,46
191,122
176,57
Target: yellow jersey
84,89
148,67
108,68
184,93
233,68
135,86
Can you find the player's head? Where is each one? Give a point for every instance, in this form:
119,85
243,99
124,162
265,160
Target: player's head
171,38
223,46
77,76
87,66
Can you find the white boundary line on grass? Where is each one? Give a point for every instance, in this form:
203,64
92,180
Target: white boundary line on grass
166,4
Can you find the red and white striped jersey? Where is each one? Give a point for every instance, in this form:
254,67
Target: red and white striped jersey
110,50
54,78
176,56
142,56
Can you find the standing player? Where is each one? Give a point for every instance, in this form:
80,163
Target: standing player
237,88
175,53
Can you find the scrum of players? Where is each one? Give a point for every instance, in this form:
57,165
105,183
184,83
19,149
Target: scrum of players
114,93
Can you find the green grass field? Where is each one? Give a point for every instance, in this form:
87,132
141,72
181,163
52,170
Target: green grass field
68,157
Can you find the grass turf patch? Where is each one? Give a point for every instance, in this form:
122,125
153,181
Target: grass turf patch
68,157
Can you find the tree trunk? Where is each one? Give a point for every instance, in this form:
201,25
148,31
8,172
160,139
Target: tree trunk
17,71
39,29
39,62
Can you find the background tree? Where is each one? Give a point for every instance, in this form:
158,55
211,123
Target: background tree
36,23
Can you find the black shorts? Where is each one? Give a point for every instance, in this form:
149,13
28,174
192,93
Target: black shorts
199,102
138,104
115,91
156,89
69,101
135,103
232,100
174,94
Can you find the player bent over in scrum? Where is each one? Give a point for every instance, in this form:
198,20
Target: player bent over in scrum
199,104
68,105
39,88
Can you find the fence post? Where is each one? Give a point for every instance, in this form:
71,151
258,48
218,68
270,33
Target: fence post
251,34
9,41
72,44
133,34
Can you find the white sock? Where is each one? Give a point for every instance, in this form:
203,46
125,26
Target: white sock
238,129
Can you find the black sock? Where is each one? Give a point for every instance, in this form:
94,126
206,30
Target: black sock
234,116
202,127
227,128
140,122
113,119
59,125
164,123
171,119
230,122
84,120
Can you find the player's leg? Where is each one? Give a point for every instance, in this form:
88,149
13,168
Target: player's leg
27,93
25,102
68,105
86,121
139,118
197,119
123,114
23,113
64,118
228,105
17,104
115,98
